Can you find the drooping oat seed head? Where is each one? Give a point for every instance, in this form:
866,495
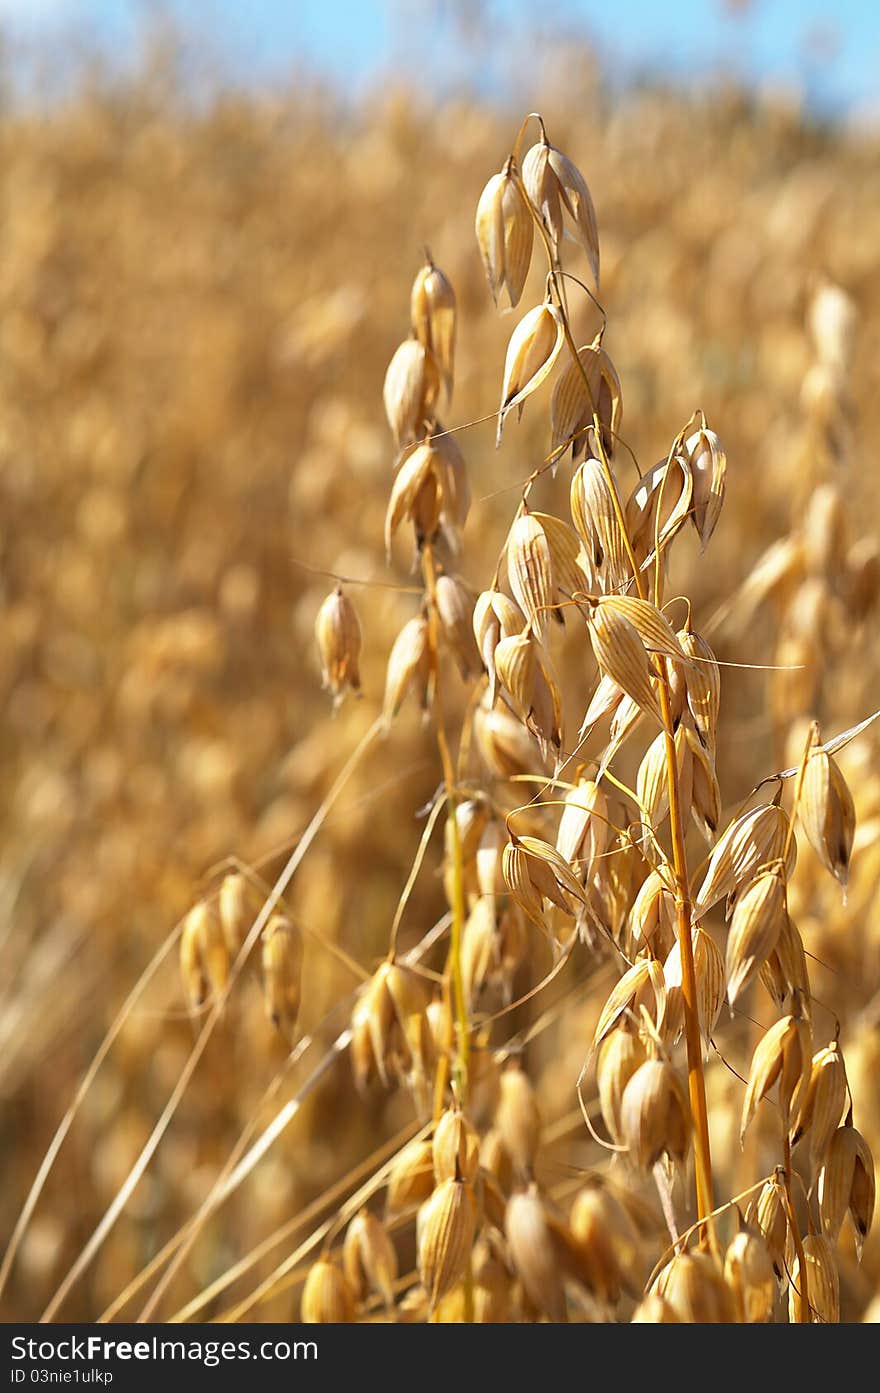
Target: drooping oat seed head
369,1258
232,906
769,1215
629,992
818,1286
703,679
455,610
534,347
411,1177
204,956
609,1243
846,1185
505,233
446,1227
530,572
783,1054
621,1053
595,519
412,386
327,1299
711,982
558,190
523,665
823,1101
751,841
708,465
827,813
338,632
432,313
409,666
518,1119
537,1244
282,974
505,746
749,1273
456,1149
695,1289
415,497
655,1117
534,871
495,617
621,655
755,927
585,392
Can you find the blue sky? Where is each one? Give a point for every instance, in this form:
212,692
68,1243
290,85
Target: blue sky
830,48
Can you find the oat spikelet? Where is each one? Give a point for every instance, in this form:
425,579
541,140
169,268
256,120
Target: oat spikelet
411,1177
327,1298
338,632
415,495
621,1053
456,1147
204,956
708,465
369,1259
818,1286
827,813
595,520
232,906
530,571
755,838
518,1119
412,384
557,188
408,666
621,656
823,1101
748,1271
575,403
696,1290
495,617
505,233
432,313
282,974
534,347
446,1226
846,1185
455,610
755,928
654,1114
537,1247
782,1054
703,678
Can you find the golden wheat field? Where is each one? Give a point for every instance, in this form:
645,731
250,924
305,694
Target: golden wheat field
511,950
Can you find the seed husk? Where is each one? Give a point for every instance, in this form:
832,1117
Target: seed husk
824,1100
556,187
654,1115
369,1258
846,1185
748,1271
518,1119
827,814
327,1299
446,1227
282,974
338,633
432,313
505,233
818,1285
534,347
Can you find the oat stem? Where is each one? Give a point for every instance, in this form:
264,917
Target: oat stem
453,965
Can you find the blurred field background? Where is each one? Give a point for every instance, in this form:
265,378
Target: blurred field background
198,300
